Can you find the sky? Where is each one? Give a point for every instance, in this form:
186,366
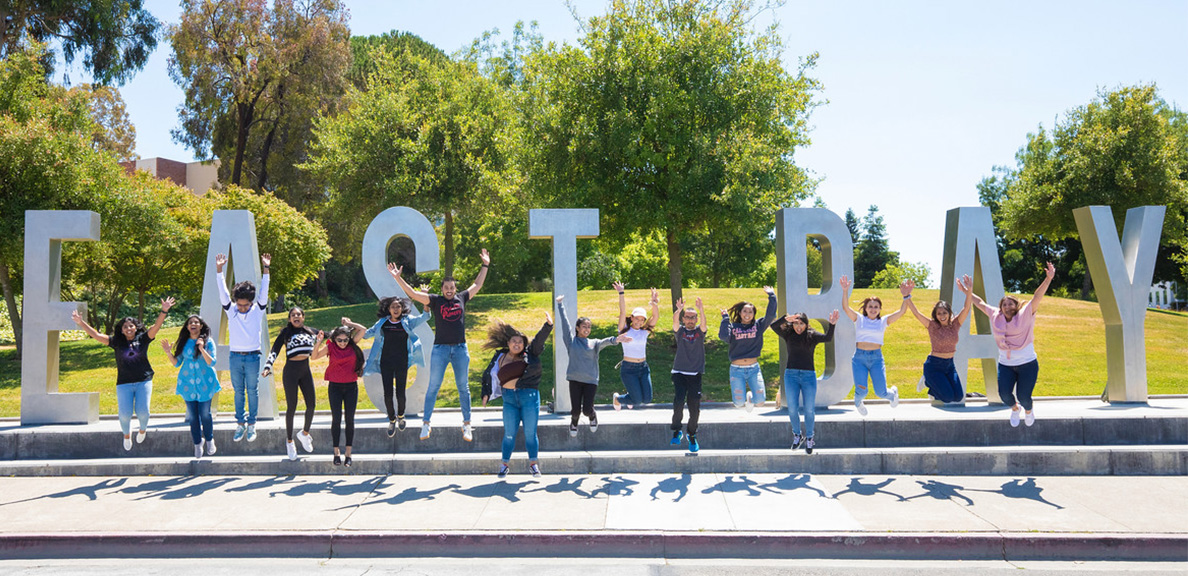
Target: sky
921,99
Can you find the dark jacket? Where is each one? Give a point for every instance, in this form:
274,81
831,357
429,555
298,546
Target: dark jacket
532,373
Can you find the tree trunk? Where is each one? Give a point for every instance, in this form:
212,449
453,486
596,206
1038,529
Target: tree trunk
1086,285
244,113
267,149
323,285
14,315
113,310
449,244
674,266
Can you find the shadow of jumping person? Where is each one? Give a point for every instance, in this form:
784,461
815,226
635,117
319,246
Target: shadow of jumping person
1024,490
792,482
502,488
563,485
410,494
941,491
857,487
91,492
729,485
679,486
617,486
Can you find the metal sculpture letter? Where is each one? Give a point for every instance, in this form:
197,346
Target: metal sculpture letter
970,248
563,227
46,316
387,226
233,232
793,227
1121,275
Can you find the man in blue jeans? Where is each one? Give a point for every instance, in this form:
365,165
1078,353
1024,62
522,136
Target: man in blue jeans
244,317
449,346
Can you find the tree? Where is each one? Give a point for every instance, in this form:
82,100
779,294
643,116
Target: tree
113,130
114,36
669,116
1123,149
854,226
897,273
871,254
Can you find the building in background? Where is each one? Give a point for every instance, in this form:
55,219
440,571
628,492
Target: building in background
197,176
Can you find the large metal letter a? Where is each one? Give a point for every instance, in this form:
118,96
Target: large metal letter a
971,249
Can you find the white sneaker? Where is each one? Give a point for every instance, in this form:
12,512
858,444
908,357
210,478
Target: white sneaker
291,448
921,385
573,430
198,451
140,436
594,425
251,433
1029,418
894,396
128,443
749,405
615,401
211,448
306,440
860,407
467,433
425,431
1015,418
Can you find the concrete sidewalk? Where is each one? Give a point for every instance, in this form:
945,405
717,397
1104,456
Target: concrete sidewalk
622,515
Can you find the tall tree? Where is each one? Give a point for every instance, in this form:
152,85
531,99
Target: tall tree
871,253
671,116
113,128
854,225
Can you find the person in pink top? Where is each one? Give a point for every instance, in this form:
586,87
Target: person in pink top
1013,327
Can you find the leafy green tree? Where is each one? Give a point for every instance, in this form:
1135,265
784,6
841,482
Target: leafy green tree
897,273
854,225
113,129
669,116
871,254
362,47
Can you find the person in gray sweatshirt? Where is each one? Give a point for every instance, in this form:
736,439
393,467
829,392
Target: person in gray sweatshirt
744,335
583,366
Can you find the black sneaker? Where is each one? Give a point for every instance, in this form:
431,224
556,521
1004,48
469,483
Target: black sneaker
400,423
337,460
808,445
391,428
573,430
503,470
797,439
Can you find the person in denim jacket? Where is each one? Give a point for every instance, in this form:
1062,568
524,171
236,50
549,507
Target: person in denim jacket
396,348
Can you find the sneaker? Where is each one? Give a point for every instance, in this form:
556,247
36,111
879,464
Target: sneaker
594,425
128,443
211,448
615,401
337,460
467,433
400,425
1029,418
860,407
921,385
198,451
796,440
693,445
306,440
677,436
140,436
1015,418
239,431
808,446
749,405
251,433
503,470
425,431
535,470
291,449
573,430
347,462
894,396
391,428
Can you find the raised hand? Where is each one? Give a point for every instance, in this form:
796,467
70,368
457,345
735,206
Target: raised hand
76,317
680,304
394,270
485,257
220,261
345,321
165,345
167,303
548,319
655,296
770,291
1049,271
725,312
618,286
845,283
560,298
833,316
905,288
965,284
788,318
266,260
321,335
699,304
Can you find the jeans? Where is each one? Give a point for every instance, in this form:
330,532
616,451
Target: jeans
743,378
520,405
1017,381
458,356
134,397
798,385
245,379
686,389
201,423
940,375
637,379
869,363
581,398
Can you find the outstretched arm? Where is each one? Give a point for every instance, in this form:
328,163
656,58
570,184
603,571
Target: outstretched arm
965,284
482,275
655,308
169,352
357,329
676,314
265,275
566,334
845,284
166,304
701,312
924,320
536,348
905,289
78,319
618,286
1049,273
413,293
224,294
771,307
321,347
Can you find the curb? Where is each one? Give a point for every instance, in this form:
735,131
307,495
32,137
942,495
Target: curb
633,544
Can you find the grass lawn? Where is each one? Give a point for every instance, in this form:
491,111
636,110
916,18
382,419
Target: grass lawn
1070,341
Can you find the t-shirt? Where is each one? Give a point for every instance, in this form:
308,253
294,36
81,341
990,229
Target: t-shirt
449,317
341,369
944,338
690,351
801,346
132,363
395,352
870,331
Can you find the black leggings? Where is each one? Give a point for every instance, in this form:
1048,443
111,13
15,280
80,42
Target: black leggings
581,397
689,387
394,377
297,376
344,396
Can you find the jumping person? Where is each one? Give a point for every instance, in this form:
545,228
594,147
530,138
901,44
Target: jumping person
449,346
800,374
244,318
395,349
868,358
582,371
744,338
197,381
515,373
634,371
940,374
342,376
688,366
1013,326
299,341
134,374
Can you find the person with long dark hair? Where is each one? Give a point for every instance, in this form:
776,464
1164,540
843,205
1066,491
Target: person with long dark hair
582,371
514,374
396,348
197,381
633,370
247,311
944,329
800,375
743,335
342,377
134,374
869,327
299,342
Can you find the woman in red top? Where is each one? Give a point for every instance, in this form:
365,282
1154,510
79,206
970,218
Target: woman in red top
346,365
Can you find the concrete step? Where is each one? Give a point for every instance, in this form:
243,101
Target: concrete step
983,461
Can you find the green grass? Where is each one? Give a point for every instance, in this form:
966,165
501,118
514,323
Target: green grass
1070,341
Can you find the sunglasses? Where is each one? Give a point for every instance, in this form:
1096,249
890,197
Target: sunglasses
342,340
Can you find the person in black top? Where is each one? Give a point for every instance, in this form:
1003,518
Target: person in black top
449,345
515,373
299,341
134,374
800,376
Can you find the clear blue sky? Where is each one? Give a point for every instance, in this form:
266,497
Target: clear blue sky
924,98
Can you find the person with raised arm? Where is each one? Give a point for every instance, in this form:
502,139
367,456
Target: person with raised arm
743,335
515,374
634,371
688,366
299,342
194,354
246,310
134,374
582,371
396,348
944,329
1013,327
800,374
449,346
870,326
342,377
